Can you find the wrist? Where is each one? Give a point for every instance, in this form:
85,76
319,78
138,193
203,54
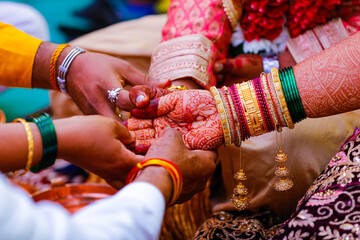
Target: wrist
187,82
162,180
41,68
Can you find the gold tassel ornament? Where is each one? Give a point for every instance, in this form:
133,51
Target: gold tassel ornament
282,182
240,200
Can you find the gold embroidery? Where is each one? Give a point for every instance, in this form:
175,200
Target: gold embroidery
233,10
186,56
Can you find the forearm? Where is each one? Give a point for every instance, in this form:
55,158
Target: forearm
14,147
329,82
191,44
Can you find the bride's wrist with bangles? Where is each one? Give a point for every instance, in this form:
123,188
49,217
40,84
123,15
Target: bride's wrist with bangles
258,106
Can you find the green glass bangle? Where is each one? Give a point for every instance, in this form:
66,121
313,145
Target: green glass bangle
286,91
49,140
292,96
296,98
302,114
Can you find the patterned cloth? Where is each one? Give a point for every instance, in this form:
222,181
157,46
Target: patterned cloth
330,209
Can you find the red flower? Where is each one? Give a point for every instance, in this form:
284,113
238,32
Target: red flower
307,14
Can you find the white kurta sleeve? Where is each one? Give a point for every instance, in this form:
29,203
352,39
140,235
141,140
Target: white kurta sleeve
135,212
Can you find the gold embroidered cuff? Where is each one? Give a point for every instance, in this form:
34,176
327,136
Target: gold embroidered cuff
233,10
186,56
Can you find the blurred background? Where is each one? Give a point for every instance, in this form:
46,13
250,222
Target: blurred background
60,21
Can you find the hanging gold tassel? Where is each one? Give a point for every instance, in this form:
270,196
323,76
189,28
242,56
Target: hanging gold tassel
240,200
282,182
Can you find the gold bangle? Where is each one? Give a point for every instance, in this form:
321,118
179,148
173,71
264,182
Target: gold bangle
30,140
177,87
245,95
280,94
228,114
222,115
276,102
255,116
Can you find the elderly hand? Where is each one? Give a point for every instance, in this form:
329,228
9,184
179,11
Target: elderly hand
192,112
96,143
196,166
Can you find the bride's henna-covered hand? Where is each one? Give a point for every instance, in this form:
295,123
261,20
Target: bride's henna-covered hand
192,112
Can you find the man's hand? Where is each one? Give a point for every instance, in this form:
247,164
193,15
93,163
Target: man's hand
96,143
196,166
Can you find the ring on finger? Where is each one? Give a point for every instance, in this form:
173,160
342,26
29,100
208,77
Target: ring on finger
113,94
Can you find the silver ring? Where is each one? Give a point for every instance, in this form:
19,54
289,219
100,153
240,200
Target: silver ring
113,94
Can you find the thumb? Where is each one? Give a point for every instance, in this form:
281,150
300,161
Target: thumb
141,95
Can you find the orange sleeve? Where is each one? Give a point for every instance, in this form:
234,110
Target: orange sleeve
17,54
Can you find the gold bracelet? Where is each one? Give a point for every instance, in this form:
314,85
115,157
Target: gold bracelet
30,140
255,116
177,87
280,94
222,115
228,114
245,95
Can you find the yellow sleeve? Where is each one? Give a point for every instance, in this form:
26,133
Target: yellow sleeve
17,54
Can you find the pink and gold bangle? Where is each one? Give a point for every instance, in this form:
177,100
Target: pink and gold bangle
264,108
281,97
247,104
255,115
172,169
267,94
30,140
53,61
240,110
222,114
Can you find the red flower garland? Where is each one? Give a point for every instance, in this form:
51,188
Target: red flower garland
307,14
265,18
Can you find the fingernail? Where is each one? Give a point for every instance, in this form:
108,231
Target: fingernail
139,99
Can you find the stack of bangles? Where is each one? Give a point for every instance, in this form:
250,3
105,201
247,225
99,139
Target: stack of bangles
259,106
172,169
49,141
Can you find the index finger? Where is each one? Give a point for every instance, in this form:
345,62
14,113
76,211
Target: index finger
159,106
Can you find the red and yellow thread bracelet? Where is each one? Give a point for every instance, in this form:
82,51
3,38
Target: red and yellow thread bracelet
172,169
30,140
53,61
